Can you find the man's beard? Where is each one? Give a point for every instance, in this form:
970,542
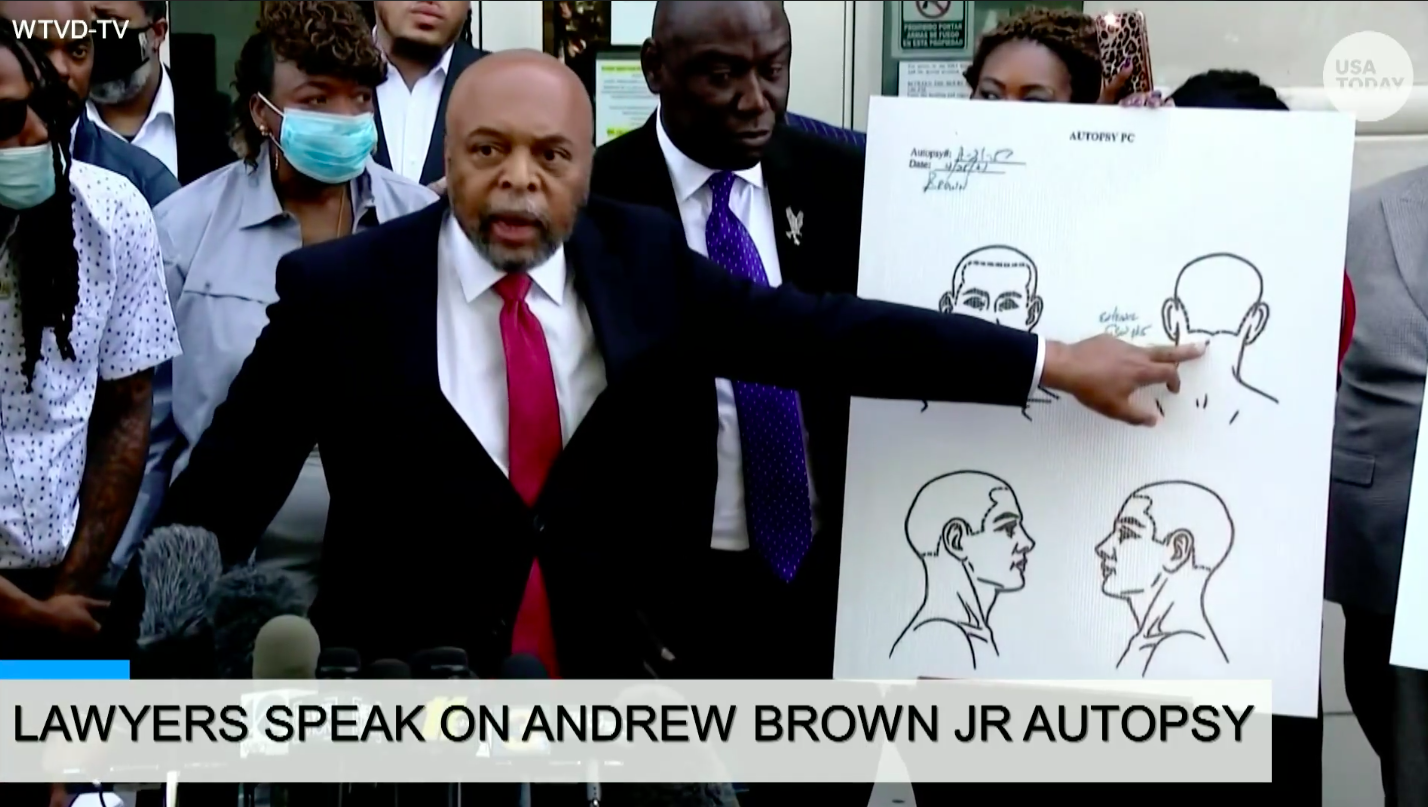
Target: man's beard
126,89
507,260
418,52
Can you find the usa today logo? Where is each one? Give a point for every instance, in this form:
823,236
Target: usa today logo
1369,75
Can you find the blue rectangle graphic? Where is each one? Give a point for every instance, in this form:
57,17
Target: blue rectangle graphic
64,670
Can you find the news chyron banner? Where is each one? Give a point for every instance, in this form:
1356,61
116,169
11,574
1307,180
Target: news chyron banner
633,731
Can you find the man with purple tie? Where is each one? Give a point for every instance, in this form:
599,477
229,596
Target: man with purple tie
776,205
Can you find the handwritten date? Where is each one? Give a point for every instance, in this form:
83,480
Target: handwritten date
947,171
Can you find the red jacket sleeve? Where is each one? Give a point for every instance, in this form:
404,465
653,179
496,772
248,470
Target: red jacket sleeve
1346,320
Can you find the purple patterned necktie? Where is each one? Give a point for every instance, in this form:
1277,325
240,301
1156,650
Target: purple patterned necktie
776,499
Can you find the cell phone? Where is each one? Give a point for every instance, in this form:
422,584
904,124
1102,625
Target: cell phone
1123,35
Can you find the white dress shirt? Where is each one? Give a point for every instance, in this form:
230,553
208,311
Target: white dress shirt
157,134
122,325
409,115
471,358
749,201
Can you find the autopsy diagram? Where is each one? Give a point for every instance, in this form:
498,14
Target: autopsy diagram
1219,300
1045,541
998,283
1165,544
965,529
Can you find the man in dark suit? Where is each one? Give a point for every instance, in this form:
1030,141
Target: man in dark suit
182,122
721,70
426,52
73,59
519,341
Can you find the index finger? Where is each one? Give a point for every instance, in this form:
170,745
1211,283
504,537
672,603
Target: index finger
91,603
1174,354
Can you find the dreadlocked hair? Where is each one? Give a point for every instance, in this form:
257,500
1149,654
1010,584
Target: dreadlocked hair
321,37
43,242
1070,35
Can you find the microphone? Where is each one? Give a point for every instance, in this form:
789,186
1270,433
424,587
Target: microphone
441,663
338,663
243,601
286,649
388,669
179,567
522,666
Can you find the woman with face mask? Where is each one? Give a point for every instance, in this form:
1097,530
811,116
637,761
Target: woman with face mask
305,83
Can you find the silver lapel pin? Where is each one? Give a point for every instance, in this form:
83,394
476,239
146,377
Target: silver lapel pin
795,225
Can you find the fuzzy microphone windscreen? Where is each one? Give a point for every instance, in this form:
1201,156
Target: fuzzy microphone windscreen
242,602
179,567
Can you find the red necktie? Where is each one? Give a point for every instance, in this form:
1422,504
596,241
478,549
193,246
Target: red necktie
535,442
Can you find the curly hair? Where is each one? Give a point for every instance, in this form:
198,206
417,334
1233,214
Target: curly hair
321,37
1227,89
43,241
1070,35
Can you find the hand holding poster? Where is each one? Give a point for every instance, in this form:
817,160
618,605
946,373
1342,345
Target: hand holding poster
1051,543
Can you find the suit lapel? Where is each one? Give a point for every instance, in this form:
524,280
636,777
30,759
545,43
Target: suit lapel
383,157
462,55
414,296
413,307
611,298
1407,218
647,177
788,202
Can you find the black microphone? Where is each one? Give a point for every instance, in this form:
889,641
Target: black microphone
338,663
387,668
179,567
441,663
526,667
522,666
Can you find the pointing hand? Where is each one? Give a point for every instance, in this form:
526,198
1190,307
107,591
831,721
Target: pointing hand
1103,372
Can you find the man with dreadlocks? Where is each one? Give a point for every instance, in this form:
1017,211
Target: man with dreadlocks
84,319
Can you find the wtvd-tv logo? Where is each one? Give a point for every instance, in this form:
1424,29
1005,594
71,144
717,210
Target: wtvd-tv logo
70,29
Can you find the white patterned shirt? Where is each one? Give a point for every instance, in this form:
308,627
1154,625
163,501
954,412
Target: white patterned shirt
122,325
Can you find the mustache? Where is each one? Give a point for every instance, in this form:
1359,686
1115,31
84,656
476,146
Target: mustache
526,210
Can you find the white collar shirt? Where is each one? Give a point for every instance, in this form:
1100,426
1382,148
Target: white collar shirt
749,201
471,361
157,134
409,115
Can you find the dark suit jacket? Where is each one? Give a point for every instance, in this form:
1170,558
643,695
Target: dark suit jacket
427,543
822,180
462,57
97,147
202,120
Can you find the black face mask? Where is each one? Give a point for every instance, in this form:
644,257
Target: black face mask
117,57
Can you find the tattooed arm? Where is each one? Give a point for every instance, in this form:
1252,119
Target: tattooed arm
118,448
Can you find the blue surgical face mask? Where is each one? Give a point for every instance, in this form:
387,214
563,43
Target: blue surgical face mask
27,176
329,148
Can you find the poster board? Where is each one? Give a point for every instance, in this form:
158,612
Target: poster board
623,102
1410,622
1050,543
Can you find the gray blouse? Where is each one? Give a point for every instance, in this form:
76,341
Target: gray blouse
222,237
